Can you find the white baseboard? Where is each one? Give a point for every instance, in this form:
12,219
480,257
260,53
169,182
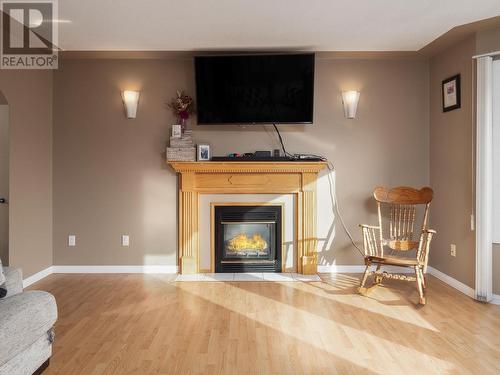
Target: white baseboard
465,289
115,269
97,269
38,276
333,268
496,299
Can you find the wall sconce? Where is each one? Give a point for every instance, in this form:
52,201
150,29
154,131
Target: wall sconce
350,100
130,100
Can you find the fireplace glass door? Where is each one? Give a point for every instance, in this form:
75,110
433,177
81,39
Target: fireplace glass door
248,238
247,241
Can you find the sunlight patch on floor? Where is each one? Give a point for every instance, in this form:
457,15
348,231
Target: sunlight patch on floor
343,288
316,330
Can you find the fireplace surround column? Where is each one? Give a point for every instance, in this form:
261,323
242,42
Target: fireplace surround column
307,240
188,228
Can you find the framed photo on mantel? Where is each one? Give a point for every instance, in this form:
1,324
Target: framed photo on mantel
203,152
451,93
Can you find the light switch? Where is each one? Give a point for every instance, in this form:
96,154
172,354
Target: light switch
125,240
71,240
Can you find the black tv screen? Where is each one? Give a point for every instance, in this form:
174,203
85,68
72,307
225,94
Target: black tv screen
255,89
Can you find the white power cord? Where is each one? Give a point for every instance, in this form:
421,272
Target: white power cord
335,203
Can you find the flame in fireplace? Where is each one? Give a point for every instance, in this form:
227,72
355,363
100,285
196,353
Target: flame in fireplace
242,242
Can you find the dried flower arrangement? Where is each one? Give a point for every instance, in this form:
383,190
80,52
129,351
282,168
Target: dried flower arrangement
182,105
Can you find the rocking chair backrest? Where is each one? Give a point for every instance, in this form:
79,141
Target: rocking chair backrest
403,202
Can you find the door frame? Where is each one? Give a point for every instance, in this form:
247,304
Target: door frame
484,178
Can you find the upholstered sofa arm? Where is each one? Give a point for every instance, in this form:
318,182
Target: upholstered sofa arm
24,318
13,280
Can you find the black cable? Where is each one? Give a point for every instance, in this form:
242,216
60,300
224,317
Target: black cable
281,141
296,156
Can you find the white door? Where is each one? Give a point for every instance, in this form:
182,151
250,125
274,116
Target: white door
496,152
4,183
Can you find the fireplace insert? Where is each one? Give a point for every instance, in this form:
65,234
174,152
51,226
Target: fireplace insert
248,238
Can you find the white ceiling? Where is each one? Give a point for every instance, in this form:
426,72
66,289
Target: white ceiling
321,25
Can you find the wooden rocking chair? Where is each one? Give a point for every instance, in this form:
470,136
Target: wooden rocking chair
402,204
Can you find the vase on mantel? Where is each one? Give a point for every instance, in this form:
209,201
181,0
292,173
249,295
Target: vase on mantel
183,122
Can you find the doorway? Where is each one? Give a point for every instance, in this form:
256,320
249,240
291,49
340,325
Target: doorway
4,181
487,174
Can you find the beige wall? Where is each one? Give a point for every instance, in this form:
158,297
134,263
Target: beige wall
109,172
451,171
4,183
29,95
488,40
110,177
496,268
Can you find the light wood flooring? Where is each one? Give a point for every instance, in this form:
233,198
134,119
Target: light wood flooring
149,324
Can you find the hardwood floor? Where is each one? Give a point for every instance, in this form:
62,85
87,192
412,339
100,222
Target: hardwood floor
148,324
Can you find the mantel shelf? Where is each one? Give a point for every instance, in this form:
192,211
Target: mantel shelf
248,166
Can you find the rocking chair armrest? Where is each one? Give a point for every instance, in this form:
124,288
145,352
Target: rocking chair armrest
369,226
423,249
427,235
371,239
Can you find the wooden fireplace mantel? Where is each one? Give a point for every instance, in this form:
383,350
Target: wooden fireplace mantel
297,178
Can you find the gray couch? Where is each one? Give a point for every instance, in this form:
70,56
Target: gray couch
26,327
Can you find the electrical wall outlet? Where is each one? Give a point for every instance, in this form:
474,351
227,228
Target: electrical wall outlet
453,250
71,240
125,240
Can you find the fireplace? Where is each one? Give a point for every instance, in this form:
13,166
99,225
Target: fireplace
248,238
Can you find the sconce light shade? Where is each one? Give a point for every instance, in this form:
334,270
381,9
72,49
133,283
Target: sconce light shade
130,100
350,100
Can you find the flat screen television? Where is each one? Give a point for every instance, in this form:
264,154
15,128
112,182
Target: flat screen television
255,89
